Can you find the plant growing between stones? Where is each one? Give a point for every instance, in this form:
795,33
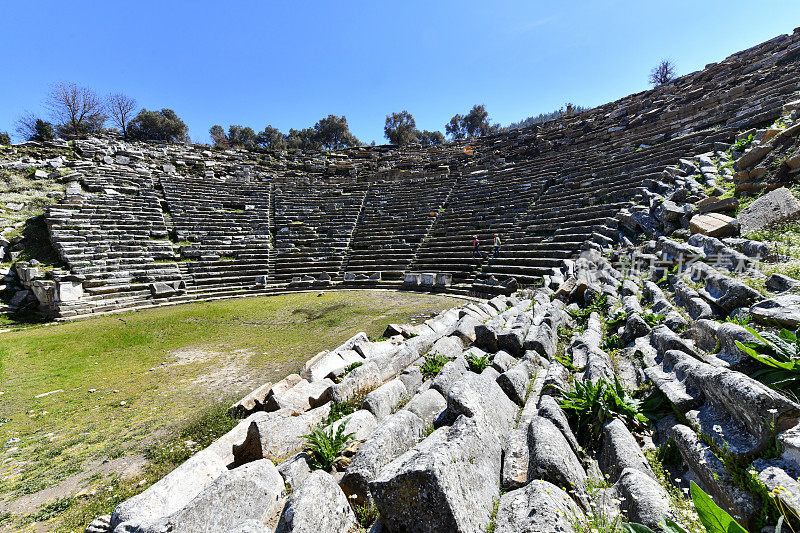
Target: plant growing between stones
477,363
743,144
591,405
338,411
611,342
653,319
432,365
780,354
326,447
713,518
616,320
739,320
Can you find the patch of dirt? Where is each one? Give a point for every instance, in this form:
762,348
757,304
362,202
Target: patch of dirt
127,467
227,371
312,314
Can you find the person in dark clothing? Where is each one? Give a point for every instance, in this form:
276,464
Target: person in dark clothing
476,252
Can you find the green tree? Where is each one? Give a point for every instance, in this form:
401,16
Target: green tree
430,138
218,136
241,136
161,125
400,128
5,139
332,133
455,128
473,124
43,131
271,139
305,139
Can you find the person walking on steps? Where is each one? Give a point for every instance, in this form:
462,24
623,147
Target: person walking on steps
496,245
476,252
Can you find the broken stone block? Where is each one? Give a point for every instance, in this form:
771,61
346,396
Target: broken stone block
278,434
714,224
383,400
479,396
551,458
536,508
773,208
782,310
391,438
428,405
318,506
253,491
620,451
448,482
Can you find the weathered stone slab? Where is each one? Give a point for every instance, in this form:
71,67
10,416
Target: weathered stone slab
643,499
253,491
478,395
391,438
319,505
539,507
364,378
775,207
428,405
551,458
620,451
277,435
714,224
448,482
782,310
383,400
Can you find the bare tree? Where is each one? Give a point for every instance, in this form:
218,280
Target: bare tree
120,110
663,73
26,126
77,111
32,128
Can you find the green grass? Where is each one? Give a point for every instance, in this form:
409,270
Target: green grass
152,372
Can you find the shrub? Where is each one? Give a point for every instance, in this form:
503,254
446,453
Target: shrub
477,363
780,354
617,320
326,447
432,365
592,404
5,138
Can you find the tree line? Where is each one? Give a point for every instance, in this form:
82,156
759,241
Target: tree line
76,112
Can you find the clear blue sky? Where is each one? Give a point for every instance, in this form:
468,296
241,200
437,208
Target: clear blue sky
290,63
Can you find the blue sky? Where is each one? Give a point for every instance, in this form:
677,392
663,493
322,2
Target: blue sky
290,63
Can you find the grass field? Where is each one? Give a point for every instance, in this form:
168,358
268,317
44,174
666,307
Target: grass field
96,410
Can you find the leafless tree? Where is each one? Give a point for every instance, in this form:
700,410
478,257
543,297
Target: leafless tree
77,111
663,73
26,125
120,110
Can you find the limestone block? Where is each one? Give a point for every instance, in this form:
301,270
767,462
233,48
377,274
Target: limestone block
393,437
536,508
318,505
448,482
714,224
775,207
